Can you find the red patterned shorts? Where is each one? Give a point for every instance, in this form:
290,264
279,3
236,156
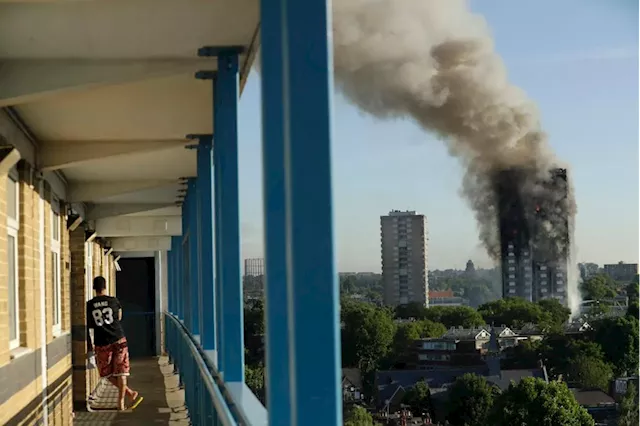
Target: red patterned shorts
113,359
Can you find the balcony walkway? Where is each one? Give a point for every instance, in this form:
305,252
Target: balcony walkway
163,401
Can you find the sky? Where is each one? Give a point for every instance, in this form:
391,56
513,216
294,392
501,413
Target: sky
577,59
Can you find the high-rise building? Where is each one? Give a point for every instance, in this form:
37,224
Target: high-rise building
253,281
534,261
404,258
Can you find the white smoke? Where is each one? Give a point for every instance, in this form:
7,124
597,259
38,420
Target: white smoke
434,61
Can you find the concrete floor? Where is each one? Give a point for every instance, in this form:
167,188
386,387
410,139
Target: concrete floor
163,401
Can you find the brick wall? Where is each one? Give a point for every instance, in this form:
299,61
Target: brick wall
21,380
4,276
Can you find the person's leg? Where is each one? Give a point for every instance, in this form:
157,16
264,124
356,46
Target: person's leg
128,391
121,370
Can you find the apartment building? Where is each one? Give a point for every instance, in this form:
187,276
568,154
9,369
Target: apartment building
622,271
404,241
47,262
528,269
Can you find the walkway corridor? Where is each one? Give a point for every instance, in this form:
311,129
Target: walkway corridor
163,401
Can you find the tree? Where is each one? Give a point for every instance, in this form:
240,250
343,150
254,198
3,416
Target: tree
254,318
533,402
470,400
558,351
254,378
514,312
358,416
366,336
406,334
559,313
628,408
598,287
413,310
454,316
618,338
524,355
418,398
590,372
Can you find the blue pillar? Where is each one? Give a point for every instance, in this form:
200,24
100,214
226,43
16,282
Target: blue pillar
184,257
205,228
193,258
169,294
276,322
227,218
313,308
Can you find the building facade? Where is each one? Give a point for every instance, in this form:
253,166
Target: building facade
46,272
404,241
253,280
622,271
530,268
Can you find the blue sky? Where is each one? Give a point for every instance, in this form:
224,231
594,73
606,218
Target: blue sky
578,59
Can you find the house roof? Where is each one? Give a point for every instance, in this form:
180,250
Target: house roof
433,294
592,397
353,376
466,333
440,380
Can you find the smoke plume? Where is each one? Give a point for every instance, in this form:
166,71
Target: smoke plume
434,61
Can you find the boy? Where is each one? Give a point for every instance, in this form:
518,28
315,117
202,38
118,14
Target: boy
104,314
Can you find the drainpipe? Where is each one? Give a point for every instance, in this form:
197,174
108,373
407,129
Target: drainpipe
43,314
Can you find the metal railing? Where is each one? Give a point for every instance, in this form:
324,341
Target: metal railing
203,387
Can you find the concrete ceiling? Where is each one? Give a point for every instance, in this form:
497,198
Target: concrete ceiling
107,89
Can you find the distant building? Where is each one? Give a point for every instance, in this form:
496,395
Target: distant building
527,269
622,271
470,269
253,280
446,298
588,270
404,258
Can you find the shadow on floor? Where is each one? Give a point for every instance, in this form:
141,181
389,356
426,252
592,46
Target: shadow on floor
163,400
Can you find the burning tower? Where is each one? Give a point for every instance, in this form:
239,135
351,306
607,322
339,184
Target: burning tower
534,235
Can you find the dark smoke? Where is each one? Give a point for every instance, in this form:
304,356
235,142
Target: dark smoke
434,61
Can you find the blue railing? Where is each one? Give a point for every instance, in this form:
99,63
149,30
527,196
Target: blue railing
203,386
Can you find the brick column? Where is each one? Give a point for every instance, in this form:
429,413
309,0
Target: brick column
4,275
81,385
28,261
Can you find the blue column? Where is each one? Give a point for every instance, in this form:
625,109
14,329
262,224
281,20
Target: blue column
312,286
205,228
169,294
228,221
184,270
193,258
276,325
179,280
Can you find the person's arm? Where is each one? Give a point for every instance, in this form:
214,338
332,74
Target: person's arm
119,310
89,327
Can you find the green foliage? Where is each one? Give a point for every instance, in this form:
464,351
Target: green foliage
524,355
254,318
559,313
618,338
254,378
470,400
590,372
515,312
558,351
367,335
532,402
628,408
407,333
358,416
449,316
418,398
598,287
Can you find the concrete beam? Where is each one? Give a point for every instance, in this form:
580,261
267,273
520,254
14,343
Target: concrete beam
56,155
103,210
92,191
165,211
132,226
140,243
9,156
23,81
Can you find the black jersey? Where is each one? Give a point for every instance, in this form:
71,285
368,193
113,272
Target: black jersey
103,313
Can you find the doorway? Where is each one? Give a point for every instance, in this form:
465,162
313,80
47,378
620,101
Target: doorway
135,288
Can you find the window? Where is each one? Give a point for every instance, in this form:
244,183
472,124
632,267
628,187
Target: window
13,225
55,265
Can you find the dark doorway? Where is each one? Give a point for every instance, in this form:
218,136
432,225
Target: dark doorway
135,288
